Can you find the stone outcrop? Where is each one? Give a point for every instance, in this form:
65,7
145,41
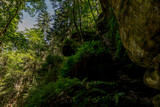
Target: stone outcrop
139,27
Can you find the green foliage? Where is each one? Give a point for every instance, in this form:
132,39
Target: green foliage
71,42
119,45
32,74
15,74
69,47
17,40
117,96
34,6
80,93
43,21
42,94
11,12
113,35
86,49
17,67
50,67
93,93
73,15
89,48
55,60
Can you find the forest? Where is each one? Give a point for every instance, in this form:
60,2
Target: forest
89,53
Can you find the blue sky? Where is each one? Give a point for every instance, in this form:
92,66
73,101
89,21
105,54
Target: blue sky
28,22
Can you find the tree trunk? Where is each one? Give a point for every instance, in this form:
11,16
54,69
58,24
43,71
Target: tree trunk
74,17
97,31
80,19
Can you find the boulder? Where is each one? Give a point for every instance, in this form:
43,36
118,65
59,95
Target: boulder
139,27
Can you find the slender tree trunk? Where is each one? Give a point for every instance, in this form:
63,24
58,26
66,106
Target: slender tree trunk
79,12
52,46
97,7
80,19
97,31
4,30
93,17
74,17
92,13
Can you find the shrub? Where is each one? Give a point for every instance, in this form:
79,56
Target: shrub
94,93
86,49
113,36
69,47
43,94
50,68
79,93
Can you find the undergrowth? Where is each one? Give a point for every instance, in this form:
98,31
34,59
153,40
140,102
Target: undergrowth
86,49
75,92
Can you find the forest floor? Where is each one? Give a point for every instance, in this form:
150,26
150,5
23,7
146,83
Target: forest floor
130,81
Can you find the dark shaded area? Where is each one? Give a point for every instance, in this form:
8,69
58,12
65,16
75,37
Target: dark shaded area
136,93
86,36
95,68
127,78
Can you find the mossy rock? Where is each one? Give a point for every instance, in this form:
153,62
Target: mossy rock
156,101
139,26
152,79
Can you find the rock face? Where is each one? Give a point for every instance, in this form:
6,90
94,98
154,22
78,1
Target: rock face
139,27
